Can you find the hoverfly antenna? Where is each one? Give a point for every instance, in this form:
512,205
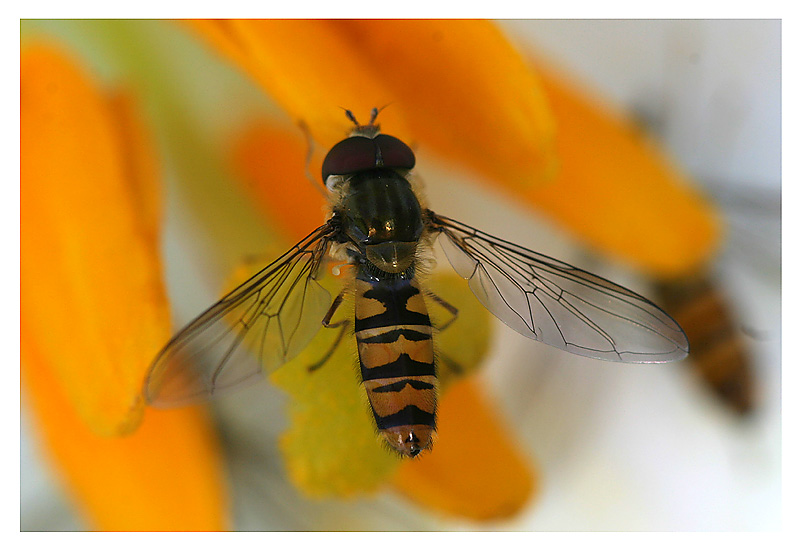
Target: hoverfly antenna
371,129
375,112
349,114
373,115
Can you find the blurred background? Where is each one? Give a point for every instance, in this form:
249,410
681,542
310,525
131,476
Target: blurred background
618,447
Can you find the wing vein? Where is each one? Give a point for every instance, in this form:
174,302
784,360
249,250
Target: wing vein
558,304
236,338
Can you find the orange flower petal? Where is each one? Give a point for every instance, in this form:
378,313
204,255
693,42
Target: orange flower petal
458,87
165,476
475,470
92,300
308,67
618,193
93,309
467,93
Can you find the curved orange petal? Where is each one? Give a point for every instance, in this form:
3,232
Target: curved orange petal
467,93
618,193
308,67
165,476
92,301
457,86
93,308
475,470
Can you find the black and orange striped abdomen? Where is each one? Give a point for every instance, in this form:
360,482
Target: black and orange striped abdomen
395,349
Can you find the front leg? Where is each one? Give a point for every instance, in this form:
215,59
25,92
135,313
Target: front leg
326,323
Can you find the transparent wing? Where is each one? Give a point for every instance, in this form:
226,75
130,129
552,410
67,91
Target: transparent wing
258,326
558,304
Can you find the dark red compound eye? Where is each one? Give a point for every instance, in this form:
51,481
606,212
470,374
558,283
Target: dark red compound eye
357,154
395,153
351,155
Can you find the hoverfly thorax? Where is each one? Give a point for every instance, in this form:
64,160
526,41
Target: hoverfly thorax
382,216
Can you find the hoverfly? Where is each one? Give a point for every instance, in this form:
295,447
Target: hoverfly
720,354
379,224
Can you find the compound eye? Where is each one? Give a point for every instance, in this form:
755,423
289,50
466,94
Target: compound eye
351,155
395,153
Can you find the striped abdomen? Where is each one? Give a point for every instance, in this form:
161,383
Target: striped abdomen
720,352
395,349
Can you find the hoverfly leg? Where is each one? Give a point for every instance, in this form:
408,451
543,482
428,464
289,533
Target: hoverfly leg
309,156
446,306
343,326
454,366
445,360
326,323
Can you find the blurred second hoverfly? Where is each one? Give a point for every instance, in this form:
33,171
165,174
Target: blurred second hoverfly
720,354
378,224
